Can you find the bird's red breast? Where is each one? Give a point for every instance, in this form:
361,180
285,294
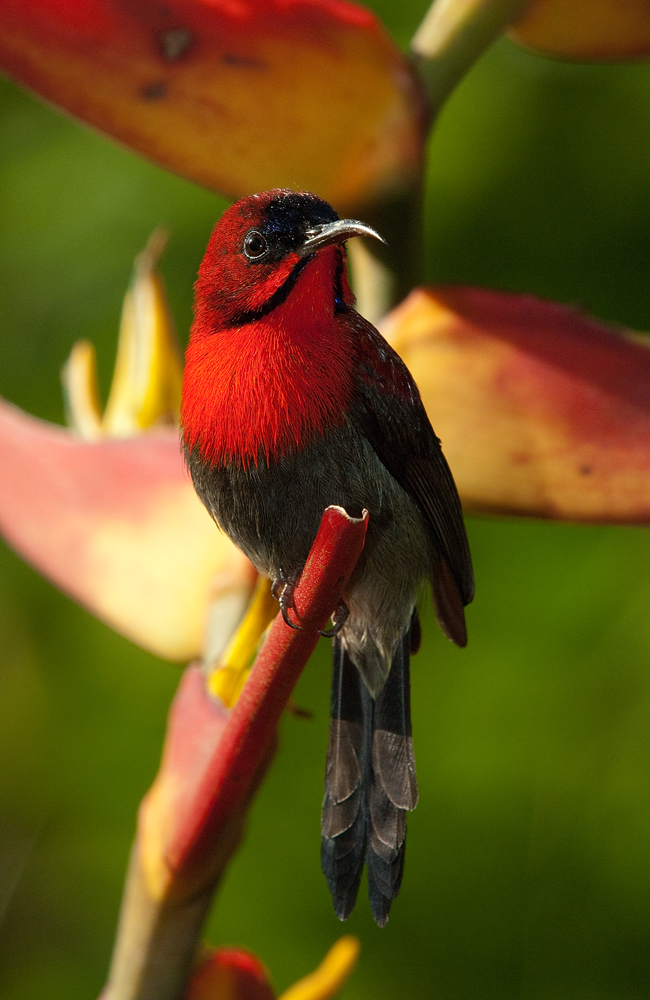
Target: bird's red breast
264,387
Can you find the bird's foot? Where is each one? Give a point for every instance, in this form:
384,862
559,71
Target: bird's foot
339,619
283,591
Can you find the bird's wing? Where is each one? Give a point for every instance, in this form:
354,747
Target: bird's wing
388,410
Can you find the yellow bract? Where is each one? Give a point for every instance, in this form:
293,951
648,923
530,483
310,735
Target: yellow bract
587,29
330,975
146,388
228,676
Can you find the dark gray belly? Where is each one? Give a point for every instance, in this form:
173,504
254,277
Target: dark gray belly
272,512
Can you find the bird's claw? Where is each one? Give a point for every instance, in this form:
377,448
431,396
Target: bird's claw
339,619
283,591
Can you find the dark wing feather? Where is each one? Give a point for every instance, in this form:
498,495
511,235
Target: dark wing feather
388,411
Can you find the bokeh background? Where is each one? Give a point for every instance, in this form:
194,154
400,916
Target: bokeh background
528,863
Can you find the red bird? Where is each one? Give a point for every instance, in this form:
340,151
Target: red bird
292,402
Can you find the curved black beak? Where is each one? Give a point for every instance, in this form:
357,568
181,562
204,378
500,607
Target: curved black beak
335,232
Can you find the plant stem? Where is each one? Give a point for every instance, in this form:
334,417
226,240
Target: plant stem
453,34
450,39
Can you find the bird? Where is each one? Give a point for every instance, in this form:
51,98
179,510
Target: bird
293,402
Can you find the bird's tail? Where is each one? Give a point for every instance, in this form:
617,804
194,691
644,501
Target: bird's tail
370,784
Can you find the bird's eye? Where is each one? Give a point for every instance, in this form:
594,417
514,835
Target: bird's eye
254,245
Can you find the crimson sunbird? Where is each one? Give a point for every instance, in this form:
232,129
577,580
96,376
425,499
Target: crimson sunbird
292,402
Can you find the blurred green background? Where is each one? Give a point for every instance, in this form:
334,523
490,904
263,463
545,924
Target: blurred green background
528,870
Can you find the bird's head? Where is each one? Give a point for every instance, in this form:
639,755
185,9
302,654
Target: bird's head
259,249
268,362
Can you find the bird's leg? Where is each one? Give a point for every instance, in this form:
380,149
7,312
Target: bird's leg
339,619
283,590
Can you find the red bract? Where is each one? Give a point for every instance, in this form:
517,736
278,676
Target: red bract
117,525
229,974
541,410
225,93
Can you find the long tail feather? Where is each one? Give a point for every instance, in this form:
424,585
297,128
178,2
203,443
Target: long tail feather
394,789
343,820
370,784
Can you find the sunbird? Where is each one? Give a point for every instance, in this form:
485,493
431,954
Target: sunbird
292,402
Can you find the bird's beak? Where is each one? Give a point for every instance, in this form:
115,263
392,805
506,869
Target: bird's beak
335,232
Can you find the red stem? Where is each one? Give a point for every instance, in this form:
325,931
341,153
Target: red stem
231,768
